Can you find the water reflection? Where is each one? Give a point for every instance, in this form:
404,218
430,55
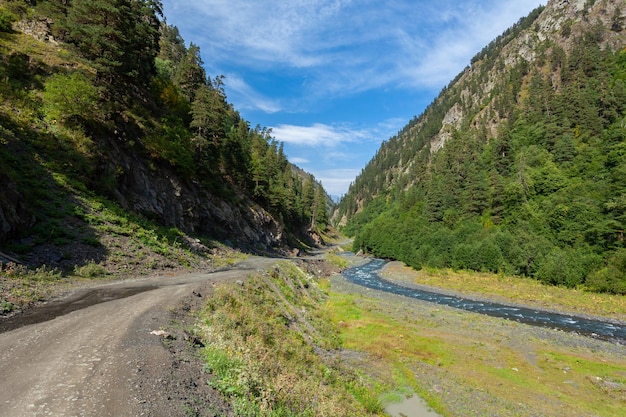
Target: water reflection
412,406
367,276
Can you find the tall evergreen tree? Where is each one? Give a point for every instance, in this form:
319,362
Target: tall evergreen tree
189,75
119,36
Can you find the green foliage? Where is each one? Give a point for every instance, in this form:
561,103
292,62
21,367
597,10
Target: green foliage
568,267
122,82
6,307
119,37
6,20
90,270
612,277
172,143
69,98
261,343
543,197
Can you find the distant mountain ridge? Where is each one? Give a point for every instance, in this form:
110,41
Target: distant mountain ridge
516,165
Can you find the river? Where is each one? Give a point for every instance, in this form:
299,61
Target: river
367,275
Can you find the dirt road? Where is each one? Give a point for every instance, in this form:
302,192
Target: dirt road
101,359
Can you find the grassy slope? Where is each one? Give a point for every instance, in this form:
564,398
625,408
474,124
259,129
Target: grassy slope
273,354
274,341
77,233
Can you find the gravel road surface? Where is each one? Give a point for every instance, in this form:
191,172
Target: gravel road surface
93,353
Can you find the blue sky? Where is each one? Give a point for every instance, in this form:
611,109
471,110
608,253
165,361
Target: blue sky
335,78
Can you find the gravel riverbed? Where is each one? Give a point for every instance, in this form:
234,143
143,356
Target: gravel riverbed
486,366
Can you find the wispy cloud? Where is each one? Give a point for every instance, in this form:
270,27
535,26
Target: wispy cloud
334,154
470,28
262,31
337,181
299,160
317,135
324,135
343,46
250,98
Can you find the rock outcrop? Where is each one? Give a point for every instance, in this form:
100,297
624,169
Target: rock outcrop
159,193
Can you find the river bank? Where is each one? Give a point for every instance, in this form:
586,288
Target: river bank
466,364
511,290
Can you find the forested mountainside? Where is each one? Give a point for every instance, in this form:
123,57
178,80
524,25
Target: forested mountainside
519,165
109,126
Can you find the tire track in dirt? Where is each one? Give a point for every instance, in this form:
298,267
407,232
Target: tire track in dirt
89,358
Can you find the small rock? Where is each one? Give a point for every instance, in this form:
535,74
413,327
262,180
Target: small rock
163,334
193,339
613,386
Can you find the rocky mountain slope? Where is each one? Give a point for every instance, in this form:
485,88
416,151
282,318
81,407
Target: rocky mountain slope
521,150
113,132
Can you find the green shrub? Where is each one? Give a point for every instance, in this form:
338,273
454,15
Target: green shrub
70,98
6,307
171,143
6,21
90,270
611,278
567,267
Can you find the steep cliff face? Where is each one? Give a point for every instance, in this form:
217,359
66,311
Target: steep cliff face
33,197
555,28
159,193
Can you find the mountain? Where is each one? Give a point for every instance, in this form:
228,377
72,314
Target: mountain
519,165
114,142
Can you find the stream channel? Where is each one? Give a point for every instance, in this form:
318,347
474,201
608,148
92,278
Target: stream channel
367,276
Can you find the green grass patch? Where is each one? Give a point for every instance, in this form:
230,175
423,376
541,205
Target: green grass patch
391,344
21,286
262,343
90,270
337,260
556,378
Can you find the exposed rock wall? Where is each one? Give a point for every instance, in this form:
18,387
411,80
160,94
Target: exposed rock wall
14,215
160,194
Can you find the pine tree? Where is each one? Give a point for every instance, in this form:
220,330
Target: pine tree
120,37
321,212
188,74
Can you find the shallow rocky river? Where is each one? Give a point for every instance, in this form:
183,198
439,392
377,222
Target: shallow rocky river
367,276
484,364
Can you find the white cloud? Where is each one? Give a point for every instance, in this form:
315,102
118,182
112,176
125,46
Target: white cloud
335,155
345,46
324,135
475,25
261,31
251,99
337,181
298,160
316,135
